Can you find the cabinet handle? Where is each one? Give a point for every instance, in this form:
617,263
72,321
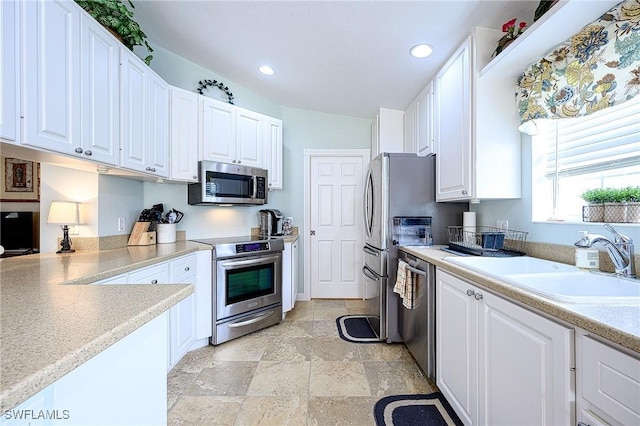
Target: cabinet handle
195,177
239,161
478,296
78,150
464,192
186,269
150,169
234,161
470,292
583,424
88,153
154,281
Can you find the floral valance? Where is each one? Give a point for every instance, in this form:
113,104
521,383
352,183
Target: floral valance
595,69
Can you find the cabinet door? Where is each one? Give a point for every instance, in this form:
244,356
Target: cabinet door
133,112
100,95
204,316
457,345
453,127
410,133
523,349
184,135
51,34
273,151
158,141
424,122
287,274
294,273
9,72
608,384
249,138
182,316
218,131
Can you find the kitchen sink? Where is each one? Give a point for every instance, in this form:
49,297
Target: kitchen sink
556,281
498,266
579,287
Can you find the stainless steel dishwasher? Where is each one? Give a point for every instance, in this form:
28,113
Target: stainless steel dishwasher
418,324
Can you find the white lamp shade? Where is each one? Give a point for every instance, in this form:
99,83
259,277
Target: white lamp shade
64,213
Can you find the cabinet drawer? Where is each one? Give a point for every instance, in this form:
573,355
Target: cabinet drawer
183,270
157,274
611,381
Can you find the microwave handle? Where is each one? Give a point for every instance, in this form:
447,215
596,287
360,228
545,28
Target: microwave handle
255,186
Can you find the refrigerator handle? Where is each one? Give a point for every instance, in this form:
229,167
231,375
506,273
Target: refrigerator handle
368,220
370,274
371,251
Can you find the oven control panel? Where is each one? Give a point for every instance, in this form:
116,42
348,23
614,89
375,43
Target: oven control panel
249,247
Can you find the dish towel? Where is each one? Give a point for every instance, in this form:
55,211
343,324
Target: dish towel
405,285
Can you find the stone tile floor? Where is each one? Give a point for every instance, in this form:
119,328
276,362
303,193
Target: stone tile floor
298,372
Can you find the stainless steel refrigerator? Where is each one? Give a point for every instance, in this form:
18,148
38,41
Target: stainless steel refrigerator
397,185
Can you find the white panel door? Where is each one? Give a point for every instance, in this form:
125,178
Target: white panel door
51,34
100,95
9,72
336,224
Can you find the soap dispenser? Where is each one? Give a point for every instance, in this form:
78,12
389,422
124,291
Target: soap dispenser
587,258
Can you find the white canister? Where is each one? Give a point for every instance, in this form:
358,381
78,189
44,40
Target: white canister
166,233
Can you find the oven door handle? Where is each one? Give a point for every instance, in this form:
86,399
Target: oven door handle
252,320
251,262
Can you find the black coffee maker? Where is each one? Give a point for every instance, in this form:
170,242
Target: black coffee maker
270,223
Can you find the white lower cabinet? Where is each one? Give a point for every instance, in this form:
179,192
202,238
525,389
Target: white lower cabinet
190,319
498,363
289,276
125,384
607,384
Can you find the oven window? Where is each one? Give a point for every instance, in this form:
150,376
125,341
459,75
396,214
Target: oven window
229,185
249,283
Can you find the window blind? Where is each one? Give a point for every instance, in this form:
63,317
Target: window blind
601,141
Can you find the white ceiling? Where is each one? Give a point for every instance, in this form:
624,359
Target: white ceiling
341,57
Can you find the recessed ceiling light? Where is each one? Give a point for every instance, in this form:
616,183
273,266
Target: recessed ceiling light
421,50
266,70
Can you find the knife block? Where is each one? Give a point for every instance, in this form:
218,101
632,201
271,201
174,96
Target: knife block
140,236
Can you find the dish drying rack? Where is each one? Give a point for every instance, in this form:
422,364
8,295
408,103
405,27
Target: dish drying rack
487,241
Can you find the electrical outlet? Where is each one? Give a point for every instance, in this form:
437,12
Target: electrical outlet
121,224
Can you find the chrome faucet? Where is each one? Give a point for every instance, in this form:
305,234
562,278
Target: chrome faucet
620,250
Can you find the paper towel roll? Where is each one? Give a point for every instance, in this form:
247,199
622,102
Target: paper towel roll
469,221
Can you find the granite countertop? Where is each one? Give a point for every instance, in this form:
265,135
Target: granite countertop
48,327
617,323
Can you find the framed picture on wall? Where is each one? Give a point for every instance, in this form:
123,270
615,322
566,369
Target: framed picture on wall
20,180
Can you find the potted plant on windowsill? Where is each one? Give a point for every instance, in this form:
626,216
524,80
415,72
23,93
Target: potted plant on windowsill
612,205
594,211
118,20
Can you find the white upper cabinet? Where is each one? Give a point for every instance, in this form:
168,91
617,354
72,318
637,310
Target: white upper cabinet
218,131
144,115
453,127
9,72
387,132
475,123
249,138
418,123
184,135
51,34
273,151
100,95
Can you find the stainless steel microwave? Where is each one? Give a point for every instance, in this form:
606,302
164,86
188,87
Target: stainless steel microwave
228,184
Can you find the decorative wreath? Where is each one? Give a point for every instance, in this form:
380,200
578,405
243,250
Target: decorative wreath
203,84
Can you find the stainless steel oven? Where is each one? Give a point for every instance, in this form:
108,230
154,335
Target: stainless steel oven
247,285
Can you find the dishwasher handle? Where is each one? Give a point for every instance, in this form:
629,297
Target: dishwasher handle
416,271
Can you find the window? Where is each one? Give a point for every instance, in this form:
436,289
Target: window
572,155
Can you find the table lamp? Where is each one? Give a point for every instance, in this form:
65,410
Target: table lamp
64,213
